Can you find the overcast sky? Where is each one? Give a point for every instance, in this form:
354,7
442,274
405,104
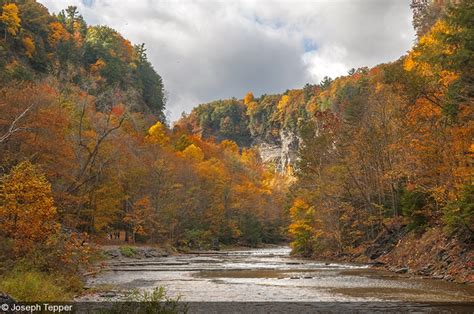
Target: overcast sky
207,50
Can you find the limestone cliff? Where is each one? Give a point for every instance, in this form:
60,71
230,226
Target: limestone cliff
282,152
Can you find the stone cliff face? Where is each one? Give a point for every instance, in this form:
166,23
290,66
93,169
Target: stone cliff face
281,152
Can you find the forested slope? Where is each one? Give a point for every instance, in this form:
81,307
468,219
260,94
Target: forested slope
85,153
375,165
384,155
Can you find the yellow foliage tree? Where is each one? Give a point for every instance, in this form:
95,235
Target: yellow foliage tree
252,108
248,98
193,152
429,45
302,229
27,212
250,156
283,102
10,18
157,133
230,146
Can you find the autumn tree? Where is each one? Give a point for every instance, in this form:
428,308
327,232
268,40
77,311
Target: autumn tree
158,133
248,98
29,45
27,211
302,228
10,19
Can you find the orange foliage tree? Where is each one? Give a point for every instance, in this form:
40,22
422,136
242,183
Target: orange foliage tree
27,211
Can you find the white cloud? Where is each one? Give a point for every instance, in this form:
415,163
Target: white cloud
327,61
212,49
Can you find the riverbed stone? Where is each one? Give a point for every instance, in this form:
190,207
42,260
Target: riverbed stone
5,298
204,280
401,270
448,278
149,253
114,253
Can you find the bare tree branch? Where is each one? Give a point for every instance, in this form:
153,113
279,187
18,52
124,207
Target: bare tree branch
13,126
91,156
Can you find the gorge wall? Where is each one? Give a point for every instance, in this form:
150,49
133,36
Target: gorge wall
269,123
281,153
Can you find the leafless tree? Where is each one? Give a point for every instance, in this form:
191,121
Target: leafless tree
14,126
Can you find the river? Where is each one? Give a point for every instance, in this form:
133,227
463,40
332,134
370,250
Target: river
272,275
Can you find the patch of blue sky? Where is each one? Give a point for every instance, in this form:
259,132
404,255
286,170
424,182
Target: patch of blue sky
275,24
88,3
309,45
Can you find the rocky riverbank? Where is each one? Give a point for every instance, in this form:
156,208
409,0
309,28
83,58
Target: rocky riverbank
430,255
433,255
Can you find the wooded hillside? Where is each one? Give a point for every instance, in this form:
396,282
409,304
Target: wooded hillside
385,154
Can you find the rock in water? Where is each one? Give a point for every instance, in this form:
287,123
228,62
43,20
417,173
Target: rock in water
5,298
402,270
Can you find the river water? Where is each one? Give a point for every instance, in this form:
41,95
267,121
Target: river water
270,274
